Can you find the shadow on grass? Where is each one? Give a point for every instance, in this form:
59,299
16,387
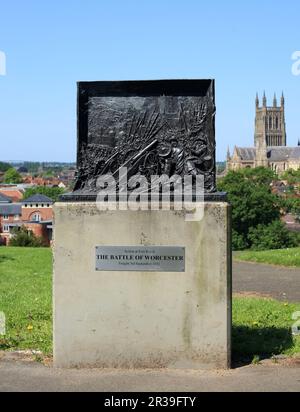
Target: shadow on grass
248,343
4,258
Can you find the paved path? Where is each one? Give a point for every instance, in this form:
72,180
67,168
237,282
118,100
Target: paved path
34,377
279,282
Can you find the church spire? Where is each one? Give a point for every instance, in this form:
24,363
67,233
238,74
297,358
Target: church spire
275,101
264,100
282,100
228,153
257,101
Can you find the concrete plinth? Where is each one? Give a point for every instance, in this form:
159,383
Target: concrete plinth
142,319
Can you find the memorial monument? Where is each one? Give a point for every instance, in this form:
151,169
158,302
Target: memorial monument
142,248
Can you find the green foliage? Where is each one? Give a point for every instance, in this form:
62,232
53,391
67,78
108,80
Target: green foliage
255,360
25,238
239,241
260,175
52,192
32,167
52,170
252,200
291,176
48,173
272,236
12,176
4,166
262,327
290,205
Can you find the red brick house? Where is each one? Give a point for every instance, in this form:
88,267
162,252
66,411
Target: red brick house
10,213
35,213
13,192
42,181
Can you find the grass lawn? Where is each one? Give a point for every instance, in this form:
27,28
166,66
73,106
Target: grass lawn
282,257
25,298
260,326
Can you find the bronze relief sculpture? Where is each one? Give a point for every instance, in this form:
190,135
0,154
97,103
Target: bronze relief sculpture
153,128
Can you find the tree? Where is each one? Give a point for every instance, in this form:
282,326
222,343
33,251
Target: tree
260,175
252,200
25,238
4,166
12,176
32,167
290,205
272,236
52,192
48,173
221,166
291,176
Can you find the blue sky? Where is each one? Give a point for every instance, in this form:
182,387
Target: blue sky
50,45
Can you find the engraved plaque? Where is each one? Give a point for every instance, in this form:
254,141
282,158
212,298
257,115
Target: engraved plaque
140,258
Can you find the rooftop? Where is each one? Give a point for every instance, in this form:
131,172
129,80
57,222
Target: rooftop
38,198
275,153
4,199
11,209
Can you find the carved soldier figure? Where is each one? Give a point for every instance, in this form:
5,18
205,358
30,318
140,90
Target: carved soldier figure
174,162
198,162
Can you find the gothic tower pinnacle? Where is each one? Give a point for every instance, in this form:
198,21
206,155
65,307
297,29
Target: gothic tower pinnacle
270,123
264,100
282,100
257,101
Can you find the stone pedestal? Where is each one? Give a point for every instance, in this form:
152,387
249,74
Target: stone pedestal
142,319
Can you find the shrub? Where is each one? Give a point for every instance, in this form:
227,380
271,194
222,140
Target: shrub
290,205
25,238
253,203
292,176
51,192
239,241
272,236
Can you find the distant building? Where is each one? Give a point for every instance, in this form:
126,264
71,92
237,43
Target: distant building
270,149
12,191
67,177
45,181
4,199
37,208
10,216
35,213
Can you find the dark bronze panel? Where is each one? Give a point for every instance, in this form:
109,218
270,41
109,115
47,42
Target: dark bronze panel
151,127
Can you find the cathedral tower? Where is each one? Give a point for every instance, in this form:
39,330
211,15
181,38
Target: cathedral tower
270,127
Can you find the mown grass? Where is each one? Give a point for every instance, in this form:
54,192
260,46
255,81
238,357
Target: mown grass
282,257
261,327
25,298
